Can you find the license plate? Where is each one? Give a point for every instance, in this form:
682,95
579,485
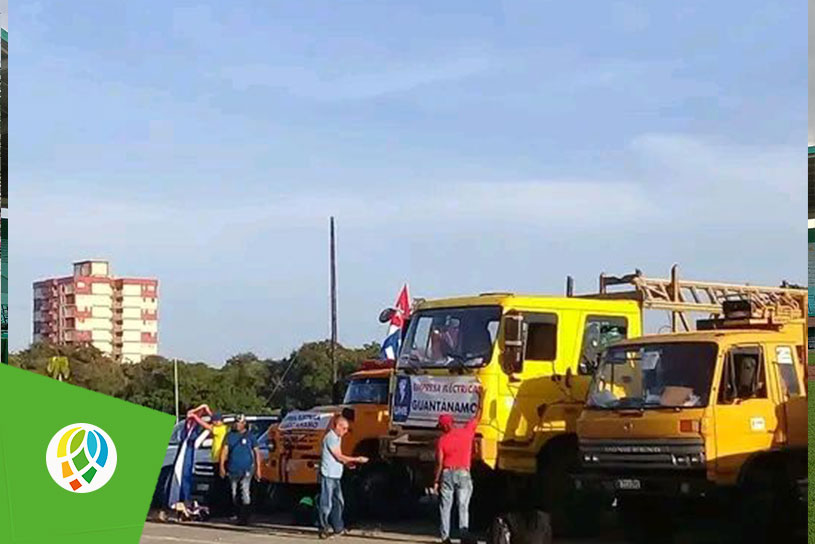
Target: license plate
628,484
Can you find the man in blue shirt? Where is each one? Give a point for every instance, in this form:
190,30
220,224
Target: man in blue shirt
331,465
240,459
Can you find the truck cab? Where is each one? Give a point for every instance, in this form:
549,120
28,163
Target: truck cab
525,358
719,412
295,443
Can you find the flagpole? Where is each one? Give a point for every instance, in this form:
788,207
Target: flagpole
175,386
333,257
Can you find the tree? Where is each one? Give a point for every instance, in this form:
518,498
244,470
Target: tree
58,368
245,383
308,379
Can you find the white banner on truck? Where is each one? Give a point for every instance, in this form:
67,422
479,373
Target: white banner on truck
305,421
420,400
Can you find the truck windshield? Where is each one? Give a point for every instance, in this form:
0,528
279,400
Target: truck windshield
451,337
367,391
646,376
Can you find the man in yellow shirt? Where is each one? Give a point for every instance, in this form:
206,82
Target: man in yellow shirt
218,431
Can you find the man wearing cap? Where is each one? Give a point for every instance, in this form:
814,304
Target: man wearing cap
454,452
240,460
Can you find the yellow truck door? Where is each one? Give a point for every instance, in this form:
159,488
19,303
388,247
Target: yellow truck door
744,412
791,393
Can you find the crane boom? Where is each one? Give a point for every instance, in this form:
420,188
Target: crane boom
680,297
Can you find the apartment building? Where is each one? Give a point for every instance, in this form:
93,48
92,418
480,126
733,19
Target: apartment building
119,316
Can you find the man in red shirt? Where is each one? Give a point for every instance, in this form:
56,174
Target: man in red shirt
454,453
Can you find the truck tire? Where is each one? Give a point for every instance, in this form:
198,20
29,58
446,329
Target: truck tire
383,491
276,497
573,513
522,527
767,506
486,500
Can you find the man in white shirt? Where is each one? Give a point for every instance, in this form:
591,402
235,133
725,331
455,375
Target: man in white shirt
331,466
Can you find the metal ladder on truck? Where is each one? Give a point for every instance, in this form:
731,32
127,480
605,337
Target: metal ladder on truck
681,297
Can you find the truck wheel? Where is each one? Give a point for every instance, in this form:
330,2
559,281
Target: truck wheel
486,499
276,497
572,513
766,508
385,491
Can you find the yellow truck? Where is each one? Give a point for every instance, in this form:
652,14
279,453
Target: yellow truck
293,463
718,413
531,356
534,358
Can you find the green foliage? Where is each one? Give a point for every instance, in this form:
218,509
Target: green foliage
59,368
309,378
245,383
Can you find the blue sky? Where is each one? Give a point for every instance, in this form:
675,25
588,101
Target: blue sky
463,146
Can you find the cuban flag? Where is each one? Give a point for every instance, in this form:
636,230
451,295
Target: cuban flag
390,347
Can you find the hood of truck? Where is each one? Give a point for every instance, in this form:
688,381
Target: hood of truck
651,423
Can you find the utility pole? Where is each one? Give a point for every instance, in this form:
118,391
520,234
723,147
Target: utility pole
175,386
333,259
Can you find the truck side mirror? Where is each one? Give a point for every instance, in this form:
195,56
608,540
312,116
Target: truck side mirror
512,356
386,315
589,365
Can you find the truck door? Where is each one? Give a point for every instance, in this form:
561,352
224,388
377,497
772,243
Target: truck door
745,413
790,391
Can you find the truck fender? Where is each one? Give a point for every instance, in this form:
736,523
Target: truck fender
565,444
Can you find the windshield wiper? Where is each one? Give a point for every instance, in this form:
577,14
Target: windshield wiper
461,361
629,403
414,362
660,406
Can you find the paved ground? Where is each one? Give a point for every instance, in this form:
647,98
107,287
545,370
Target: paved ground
209,533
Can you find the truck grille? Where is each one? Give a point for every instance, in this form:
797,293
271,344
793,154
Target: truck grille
677,453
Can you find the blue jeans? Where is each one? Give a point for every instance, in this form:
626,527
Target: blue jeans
244,482
456,483
331,504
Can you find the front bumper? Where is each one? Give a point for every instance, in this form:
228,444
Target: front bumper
413,445
685,484
665,467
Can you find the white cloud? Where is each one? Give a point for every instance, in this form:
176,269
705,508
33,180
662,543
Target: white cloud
730,210
668,176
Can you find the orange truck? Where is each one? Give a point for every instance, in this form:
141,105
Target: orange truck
718,413
292,466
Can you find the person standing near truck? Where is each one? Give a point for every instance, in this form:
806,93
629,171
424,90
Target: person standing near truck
180,484
454,453
331,466
218,431
240,460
